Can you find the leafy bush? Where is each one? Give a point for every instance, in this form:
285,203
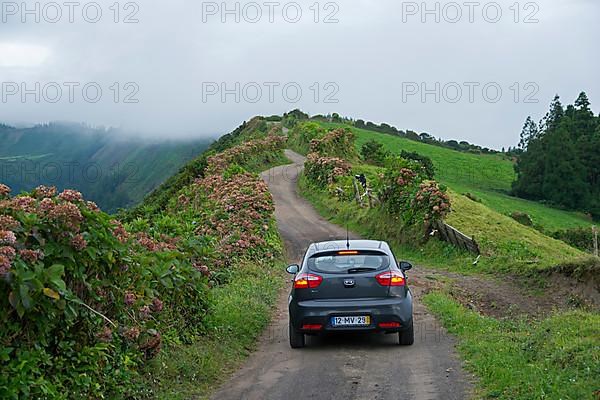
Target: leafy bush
300,137
522,218
580,238
336,143
83,301
407,193
323,171
244,152
425,162
374,153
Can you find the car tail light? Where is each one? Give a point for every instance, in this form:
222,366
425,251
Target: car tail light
390,278
307,281
387,325
312,327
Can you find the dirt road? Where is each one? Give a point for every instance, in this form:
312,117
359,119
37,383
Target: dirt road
345,367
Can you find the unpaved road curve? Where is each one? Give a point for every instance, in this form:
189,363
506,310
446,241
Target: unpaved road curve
365,367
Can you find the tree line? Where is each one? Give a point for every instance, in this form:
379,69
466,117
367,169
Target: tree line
559,160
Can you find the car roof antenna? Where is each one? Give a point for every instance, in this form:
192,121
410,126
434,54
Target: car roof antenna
347,235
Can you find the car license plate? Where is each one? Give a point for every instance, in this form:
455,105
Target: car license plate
351,321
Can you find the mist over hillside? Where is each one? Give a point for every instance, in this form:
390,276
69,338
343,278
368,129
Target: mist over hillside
109,167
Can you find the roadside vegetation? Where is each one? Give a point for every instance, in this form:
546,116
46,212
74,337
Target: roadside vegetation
489,177
555,358
158,303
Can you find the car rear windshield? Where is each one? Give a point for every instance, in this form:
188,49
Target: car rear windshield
348,262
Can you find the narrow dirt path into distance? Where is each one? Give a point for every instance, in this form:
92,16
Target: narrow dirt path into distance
345,367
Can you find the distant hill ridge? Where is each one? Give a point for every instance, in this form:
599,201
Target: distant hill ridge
113,169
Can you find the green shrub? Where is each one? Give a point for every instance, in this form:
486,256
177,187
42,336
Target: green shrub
522,218
473,197
336,143
324,171
374,153
84,302
580,238
87,301
300,137
426,163
408,194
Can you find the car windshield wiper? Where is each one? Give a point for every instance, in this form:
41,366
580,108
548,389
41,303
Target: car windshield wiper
361,269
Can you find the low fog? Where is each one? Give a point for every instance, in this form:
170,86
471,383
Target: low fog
468,71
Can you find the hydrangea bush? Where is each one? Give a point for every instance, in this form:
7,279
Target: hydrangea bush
86,299
83,301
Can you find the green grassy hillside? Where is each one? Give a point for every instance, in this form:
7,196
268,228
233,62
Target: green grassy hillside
506,245
112,170
487,176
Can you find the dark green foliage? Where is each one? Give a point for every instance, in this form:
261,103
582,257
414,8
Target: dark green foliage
580,238
425,162
292,118
374,153
335,143
561,159
300,137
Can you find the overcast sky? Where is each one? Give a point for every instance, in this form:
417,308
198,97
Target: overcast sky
380,60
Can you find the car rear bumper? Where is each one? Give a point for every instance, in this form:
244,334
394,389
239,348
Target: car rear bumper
380,310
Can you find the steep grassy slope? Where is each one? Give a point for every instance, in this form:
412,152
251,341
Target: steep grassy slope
108,168
506,245
487,176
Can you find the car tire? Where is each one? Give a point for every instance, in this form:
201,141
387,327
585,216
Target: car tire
407,337
297,340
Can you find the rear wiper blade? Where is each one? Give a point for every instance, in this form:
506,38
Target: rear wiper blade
361,269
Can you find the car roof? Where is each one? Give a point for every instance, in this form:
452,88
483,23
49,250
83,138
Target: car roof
342,245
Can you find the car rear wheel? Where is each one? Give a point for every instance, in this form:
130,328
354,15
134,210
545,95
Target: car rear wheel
297,340
407,337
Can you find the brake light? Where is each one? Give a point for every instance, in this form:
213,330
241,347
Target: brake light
347,252
388,325
390,278
312,327
307,281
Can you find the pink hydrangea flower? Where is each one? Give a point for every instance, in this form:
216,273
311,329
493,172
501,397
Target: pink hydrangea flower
5,264
7,238
8,223
44,191
4,190
129,298
31,256
157,305
8,251
78,242
70,195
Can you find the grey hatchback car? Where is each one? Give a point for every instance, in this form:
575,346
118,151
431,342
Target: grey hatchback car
344,286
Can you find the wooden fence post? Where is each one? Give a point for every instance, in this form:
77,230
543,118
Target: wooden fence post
595,230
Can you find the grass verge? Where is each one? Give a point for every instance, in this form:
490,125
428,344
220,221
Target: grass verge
556,358
239,313
488,176
506,245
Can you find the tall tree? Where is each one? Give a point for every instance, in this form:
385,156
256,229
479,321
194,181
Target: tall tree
529,132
